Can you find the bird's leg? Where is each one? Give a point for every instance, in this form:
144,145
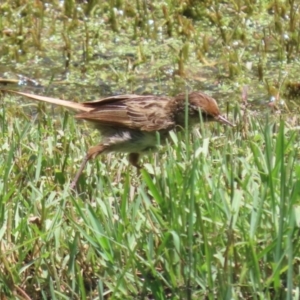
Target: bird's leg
92,153
133,158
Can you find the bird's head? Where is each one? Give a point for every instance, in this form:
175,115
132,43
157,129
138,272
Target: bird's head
206,105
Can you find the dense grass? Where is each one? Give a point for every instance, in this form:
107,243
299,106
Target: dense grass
212,216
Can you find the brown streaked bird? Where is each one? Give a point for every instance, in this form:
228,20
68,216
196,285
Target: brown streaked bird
129,123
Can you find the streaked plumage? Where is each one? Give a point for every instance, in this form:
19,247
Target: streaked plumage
128,123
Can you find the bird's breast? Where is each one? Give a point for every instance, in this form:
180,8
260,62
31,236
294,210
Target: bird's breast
130,141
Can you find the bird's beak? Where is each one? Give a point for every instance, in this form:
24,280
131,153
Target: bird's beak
224,120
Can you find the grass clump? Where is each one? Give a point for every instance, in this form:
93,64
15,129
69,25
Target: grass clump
214,214
205,218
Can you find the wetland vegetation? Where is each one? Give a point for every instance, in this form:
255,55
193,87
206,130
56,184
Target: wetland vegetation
215,214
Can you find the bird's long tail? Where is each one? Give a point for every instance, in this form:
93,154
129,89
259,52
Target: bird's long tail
56,101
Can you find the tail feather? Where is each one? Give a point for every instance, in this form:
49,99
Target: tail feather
65,103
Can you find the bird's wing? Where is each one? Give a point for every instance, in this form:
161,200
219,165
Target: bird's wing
147,113
114,98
